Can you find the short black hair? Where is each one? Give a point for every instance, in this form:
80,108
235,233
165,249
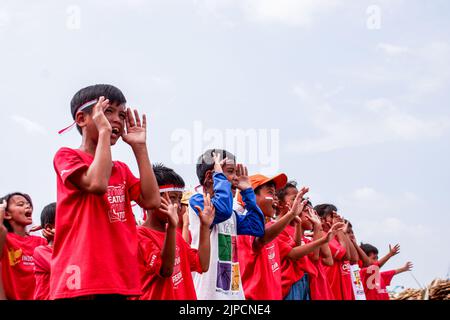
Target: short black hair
7,198
281,193
349,223
48,214
206,162
325,209
165,176
271,183
93,92
368,248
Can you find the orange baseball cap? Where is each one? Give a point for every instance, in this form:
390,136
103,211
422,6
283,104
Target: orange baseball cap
257,180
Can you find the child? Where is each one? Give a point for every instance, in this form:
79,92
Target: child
260,256
166,260
338,274
303,259
374,281
183,217
221,179
96,238
17,247
43,254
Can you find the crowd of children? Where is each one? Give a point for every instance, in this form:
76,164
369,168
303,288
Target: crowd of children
238,236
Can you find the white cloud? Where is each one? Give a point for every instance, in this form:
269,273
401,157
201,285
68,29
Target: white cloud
28,125
392,50
375,121
289,12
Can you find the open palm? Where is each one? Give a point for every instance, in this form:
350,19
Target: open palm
136,132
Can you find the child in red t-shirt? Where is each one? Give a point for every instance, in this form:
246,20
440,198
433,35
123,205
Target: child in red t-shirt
166,260
260,256
374,281
338,274
17,247
43,254
303,277
96,237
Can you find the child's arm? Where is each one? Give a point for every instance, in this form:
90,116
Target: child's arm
362,255
353,252
3,233
252,223
168,249
3,230
392,252
136,137
407,267
324,252
2,291
96,178
275,229
342,239
206,219
317,234
185,228
303,250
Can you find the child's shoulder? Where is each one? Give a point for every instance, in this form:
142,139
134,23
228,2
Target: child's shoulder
42,250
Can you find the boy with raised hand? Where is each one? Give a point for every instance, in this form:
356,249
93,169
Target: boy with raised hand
374,281
303,277
221,177
338,274
166,260
260,256
43,254
96,238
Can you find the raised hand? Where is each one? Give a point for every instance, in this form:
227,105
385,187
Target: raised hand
169,209
312,216
408,266
218,163
394,250
242,175
136,131
208,213
334,229
303,191
298,205
98,115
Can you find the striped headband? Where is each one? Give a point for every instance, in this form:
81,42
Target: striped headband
80,108
170,187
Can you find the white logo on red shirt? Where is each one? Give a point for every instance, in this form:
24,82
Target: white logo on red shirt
271,256
116,198
177,275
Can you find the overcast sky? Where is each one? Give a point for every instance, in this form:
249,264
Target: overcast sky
348,97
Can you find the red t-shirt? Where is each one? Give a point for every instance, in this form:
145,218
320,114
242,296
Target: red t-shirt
292,270
42,258
17,266
333,272
260,271
180,285
180,231
347,286
95,247
319,285
375,282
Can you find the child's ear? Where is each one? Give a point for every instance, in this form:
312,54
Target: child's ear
80,118
208,178
7,215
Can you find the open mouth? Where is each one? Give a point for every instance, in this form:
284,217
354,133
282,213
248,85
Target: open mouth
28,214
115,132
